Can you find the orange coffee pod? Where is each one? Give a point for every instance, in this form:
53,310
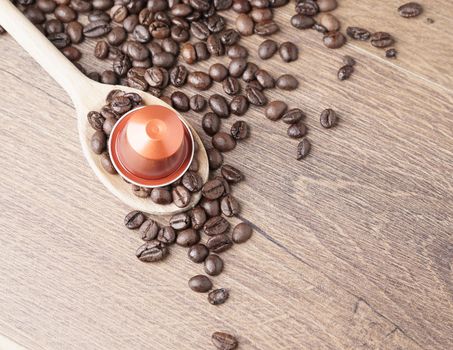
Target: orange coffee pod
151,146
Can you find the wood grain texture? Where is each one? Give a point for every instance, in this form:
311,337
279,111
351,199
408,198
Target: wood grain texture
353,246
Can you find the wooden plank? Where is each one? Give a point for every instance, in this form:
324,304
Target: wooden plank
353,246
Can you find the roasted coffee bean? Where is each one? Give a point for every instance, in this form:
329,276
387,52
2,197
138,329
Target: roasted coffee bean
241,6
255,96
216,23
166,235
411,9
213,265
157,5
187,237
219,243
136,80
224,341
181,10
216,225
381,39
254,84
161,196
60,40
198,253
53,26
230,37
157,77
277,3
250,71
180,34
345,72
334,40
210,123
358,33
141,34
223,142
134,219
293,116
64,13
218,296
287,82
106,163
244,24
261,14
71,53
108,125
194,166
111,95
141,192
267,49
288,51
302,22
231,86
98,142
95,119
152,251
180,101
119,13
266,28
178,75
197,103
149,230
330,22
181,196
391,53
96,29
215,45
201,51
264,79
231,174
121,65
296,130
307,7
46,6
237,51
219,105
229,205
225,183
242,232
200,284
319,28
102,4
237,66
159,30
135,98
328,118
75,32
199,30
200,5
164,59
121,104
180,221
327,5
130,22
139,52
192,181
213,189
215,158
275,110
114,53
211,207
218,72
239,105
240,130
109,77
348,61
221,5
197,217
199,80
98,15
303,148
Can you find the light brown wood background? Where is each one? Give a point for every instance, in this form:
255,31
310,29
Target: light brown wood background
353,246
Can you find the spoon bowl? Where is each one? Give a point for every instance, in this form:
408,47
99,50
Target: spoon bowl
88,95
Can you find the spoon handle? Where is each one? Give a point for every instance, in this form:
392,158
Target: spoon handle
43,51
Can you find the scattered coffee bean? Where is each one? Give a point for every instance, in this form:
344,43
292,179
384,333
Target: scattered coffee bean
242,232
293,116
240,130
229,206
98,142
200,284
244,24
180,101
327,5
334,40
106,163
199,80
149,230
255,96
134,219
249,73
328,118
266,28
239,105
218,72
303,148
288,51
287,82
411,9
264,79
213,189
211,207
180,196
231,86
166,235
198,253
296,130
381,39
307,7
391,53
348,61
187,237
197,103
330,22
224,341
74,30
275,110
216,226
219,105
161,196
358,33
96,29
152,251
237,51
213,265
218,296
267,49
302,22
345,72
198,217
223,142
219,243
180,221
215,158
237,66
192,181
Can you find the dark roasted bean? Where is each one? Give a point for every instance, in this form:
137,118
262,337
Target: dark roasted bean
181,196
149,230
60,40
211,207
307,7
223,142
198,253
197,103
303,148
264,79
267,49
240,130
287,82
187,237
178,75
219,105
230,37
152,251
302,22
218,72
63,13
231,86
255,96
201,51
411,9
219,243
391,53
74,30
213,265
180,221
334,40
215,158
161,196
192,181
239,105
229,205
215,45
200,284
293,116
210,123
241,232
96,29
275,110
237,51
381,39
237,66
296,130
231,174
218,297
180,101
249,73
166,235
98,142
134,219
197,217
199,80
266,28
244,24
213,189
328,118
358,33
345,72
216,225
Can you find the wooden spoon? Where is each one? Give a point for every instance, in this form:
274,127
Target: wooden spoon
88,95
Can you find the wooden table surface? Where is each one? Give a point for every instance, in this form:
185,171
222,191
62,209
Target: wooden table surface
353,246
